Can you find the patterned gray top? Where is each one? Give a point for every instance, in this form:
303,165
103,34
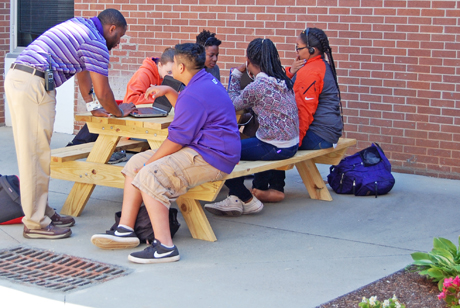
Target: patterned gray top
273,103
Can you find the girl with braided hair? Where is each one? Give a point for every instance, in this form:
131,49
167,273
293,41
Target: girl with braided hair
272,99
317,91
317,95
211,44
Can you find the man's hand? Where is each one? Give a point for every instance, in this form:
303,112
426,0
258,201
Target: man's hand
297,65
127,108
100,113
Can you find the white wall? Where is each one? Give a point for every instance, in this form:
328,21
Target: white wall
64,107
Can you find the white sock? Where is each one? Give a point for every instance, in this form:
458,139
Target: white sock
170,247
126,227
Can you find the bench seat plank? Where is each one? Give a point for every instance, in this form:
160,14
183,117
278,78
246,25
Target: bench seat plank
80,151
330,155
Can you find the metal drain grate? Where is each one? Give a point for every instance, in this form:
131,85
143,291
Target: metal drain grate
54,271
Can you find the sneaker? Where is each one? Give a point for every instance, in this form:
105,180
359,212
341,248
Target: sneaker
232,206
121,238
50,232
118,157
62,221
155,253
253,206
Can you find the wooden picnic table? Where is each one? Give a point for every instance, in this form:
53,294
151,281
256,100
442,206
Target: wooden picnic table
66,163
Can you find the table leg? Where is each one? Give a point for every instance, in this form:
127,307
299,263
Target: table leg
154,144
313,181
80,193
196,220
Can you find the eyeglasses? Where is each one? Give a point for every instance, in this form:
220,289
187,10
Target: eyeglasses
297,48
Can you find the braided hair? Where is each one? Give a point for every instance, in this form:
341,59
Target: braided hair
263,53
318,39
206,38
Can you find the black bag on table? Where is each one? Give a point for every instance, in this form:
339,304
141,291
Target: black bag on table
143,227
10,200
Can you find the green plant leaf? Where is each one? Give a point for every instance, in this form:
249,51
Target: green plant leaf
444,253
423,263
440,282
444,243
423,273
436,273
418,256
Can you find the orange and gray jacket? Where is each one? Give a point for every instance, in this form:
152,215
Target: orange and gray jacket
317,99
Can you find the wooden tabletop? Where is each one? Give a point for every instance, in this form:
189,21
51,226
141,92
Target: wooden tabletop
156,123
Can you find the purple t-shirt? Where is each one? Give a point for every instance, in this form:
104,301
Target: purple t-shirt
204,120
73,46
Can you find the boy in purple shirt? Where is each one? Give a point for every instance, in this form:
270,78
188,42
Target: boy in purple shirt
203,145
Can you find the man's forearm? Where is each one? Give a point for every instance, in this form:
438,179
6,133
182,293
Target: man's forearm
110,105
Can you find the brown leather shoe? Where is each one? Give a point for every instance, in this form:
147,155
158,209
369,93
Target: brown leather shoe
62,221
51,232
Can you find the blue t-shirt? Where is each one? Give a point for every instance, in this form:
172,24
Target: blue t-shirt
204,120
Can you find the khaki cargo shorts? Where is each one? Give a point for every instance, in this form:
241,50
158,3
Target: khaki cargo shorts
171,176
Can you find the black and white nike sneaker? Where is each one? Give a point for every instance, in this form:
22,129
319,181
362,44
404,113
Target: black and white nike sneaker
121,238
155,253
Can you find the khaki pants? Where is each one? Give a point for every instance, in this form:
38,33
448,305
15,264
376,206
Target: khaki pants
170,176
32,112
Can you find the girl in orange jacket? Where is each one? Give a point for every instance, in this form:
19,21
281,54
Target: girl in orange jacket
317,91
151,72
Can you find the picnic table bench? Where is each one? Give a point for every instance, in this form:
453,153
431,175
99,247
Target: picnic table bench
305,161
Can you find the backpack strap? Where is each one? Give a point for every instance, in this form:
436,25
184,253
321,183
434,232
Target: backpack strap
9,189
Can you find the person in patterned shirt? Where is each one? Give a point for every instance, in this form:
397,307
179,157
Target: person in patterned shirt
272,99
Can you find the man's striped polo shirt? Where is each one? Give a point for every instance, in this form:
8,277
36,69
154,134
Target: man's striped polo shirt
73,46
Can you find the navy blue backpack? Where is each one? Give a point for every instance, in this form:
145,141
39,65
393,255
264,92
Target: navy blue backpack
365,173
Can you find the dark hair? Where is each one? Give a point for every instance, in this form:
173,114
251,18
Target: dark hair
317,38
206,38
192,55
112,17
167,55
263,53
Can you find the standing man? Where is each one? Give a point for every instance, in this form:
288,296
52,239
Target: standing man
75,47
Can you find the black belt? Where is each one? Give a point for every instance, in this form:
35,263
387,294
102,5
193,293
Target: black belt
27,69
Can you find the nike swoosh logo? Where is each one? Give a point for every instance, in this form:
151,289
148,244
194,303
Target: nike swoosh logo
161,255
308,98
122,234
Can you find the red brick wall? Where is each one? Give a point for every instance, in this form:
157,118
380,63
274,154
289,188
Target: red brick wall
397,61
4,49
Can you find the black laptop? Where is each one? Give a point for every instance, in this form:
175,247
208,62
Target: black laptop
161,106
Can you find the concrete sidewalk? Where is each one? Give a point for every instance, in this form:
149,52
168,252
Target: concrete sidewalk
300,252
